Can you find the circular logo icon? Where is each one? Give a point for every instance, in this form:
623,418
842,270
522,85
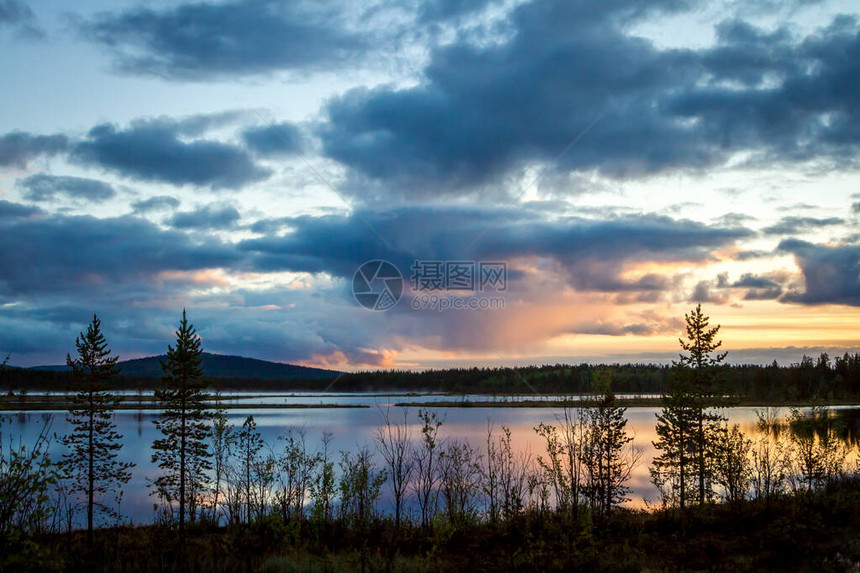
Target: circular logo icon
377,285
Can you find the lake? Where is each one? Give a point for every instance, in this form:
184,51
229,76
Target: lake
355,427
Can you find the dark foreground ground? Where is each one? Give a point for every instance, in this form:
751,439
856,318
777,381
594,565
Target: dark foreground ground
819,532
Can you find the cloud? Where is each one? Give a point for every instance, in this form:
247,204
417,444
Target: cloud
16,14
763,294
9,210
484,112
756,287
831,274
153,150
198,41
43,187
157,203
704,292
794,225
798,207
616,329
435,11
749,280
734,219
17,148
84,254
752,255
761,287
272,140
216,216
593,255
137,275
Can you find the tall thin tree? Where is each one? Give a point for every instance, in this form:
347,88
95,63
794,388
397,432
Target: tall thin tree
609,458
249,443
671,469
90,462
704,360
689,429
183,451
395,443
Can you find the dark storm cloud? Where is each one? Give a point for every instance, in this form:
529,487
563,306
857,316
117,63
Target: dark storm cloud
486,111
831,274
202,40
269,226
807,114
593,253
157,203
65,253
9,210
85,254
206,217
17,148
125,269
275,139
43,187
855,208
153,150
794,225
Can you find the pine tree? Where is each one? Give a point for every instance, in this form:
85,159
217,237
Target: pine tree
91,463
608,457
671,470
704,362
688,428
249,442
183,450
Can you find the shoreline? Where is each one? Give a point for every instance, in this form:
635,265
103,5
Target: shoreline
61,403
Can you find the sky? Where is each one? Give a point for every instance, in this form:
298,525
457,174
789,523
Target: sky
242,159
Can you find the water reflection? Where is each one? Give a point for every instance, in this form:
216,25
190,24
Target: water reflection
845,422
353,428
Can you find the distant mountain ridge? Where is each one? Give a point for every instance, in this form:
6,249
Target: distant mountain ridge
220,366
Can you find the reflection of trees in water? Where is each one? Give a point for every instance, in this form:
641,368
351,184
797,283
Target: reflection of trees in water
843,423
139,418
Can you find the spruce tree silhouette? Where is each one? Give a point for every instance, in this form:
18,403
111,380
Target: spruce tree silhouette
90,462
183,450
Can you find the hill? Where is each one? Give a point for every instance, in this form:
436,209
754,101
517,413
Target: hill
220,366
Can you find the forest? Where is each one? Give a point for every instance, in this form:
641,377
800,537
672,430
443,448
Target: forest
822,377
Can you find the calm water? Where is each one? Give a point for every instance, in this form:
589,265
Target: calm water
353,428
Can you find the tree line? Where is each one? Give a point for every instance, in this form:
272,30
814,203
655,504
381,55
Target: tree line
824,376
212,472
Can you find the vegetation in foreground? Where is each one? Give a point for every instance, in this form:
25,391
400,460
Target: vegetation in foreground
816,532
